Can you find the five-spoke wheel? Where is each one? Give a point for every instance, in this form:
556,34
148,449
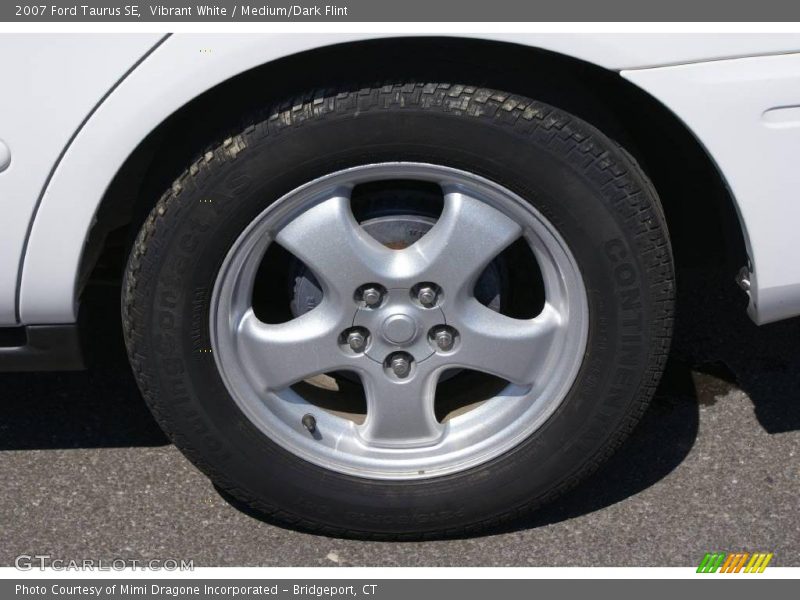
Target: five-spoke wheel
399,319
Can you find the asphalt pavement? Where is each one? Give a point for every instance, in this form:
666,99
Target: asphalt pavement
714,466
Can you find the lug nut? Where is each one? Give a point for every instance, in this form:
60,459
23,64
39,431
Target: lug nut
401,366
371,296
444,339
357,340
427,296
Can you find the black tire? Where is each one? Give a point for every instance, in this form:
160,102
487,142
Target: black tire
591,190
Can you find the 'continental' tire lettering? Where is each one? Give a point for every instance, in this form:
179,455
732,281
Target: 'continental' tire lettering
624,275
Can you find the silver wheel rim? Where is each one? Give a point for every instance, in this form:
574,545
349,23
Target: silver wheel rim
400,437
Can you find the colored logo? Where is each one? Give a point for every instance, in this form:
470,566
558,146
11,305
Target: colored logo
734,563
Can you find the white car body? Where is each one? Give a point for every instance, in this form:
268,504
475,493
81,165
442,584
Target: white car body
73,108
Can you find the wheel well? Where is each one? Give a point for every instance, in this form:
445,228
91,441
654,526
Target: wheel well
700,212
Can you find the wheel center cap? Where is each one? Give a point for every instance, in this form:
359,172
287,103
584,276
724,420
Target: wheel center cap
399,328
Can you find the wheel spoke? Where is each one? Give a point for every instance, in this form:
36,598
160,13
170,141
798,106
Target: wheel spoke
400,413
513,349
276,356
329,240
465,239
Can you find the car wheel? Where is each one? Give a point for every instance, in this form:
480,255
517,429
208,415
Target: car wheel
402,311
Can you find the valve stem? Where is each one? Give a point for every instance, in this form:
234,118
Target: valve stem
309,422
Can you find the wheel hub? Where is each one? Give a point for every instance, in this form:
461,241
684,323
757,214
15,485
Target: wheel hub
399,324
399,329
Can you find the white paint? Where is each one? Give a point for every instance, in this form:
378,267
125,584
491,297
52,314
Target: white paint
735,109
177,71
782,117
49,85
5,156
